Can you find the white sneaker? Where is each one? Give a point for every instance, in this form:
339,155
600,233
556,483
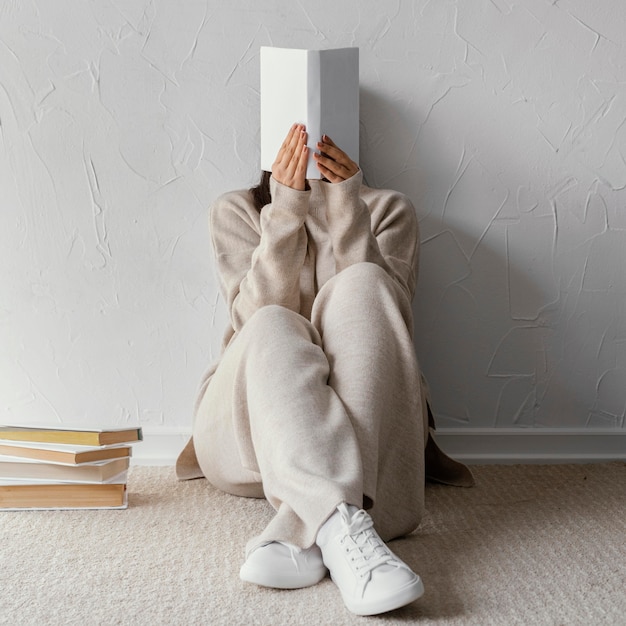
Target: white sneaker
283,566
370,577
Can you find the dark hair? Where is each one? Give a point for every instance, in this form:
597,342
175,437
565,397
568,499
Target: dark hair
261,193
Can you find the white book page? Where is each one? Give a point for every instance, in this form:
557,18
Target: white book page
283,98
62,447
339,98
318,88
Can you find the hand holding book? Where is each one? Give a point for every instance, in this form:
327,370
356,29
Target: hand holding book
289,168
334,164
319,89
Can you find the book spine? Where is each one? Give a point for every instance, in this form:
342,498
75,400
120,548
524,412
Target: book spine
314,110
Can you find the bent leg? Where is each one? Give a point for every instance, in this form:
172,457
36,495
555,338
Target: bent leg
268,413
364,320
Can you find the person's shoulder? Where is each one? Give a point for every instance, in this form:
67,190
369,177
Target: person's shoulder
374,197
237,198
239,201
234,207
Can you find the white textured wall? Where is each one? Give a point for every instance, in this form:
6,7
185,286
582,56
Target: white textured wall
503,120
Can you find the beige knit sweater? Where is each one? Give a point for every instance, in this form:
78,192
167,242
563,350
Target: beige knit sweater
284,254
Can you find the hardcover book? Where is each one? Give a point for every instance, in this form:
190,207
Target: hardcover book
60,453
318,88
70,435
20,495
65,467
16,468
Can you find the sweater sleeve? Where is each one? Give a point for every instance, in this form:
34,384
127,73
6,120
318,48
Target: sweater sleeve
374,226
259,257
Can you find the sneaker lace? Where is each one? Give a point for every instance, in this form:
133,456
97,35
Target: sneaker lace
365,549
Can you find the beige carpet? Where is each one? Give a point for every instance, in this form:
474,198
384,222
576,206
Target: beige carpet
527,545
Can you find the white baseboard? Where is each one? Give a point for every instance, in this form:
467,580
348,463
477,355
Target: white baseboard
160,447
470,445
533,445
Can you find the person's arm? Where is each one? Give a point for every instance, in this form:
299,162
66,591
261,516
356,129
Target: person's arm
260,257
366,225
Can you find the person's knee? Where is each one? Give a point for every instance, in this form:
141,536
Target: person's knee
271,317
273,325
365,269
364,287
363,280
364,274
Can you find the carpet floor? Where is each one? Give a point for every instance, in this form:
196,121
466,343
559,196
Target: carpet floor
528,545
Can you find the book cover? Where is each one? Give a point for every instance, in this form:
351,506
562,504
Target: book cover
15,495
62,453
70,435
318,88
30,469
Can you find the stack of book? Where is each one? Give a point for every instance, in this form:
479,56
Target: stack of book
64,468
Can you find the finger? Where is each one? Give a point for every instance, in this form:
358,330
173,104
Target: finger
326,139
294,139
302,165
301,140
284,168
329,174
296,155
303,159
295,170
295,174
339,169
341,163
328,147
289,144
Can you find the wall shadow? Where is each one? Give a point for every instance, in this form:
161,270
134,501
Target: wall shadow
485,344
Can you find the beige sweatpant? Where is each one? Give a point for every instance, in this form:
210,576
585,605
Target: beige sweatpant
311,414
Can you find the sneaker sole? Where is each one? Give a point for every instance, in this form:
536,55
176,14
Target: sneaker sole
402,597
278,581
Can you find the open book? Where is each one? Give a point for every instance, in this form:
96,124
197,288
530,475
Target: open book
318,88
